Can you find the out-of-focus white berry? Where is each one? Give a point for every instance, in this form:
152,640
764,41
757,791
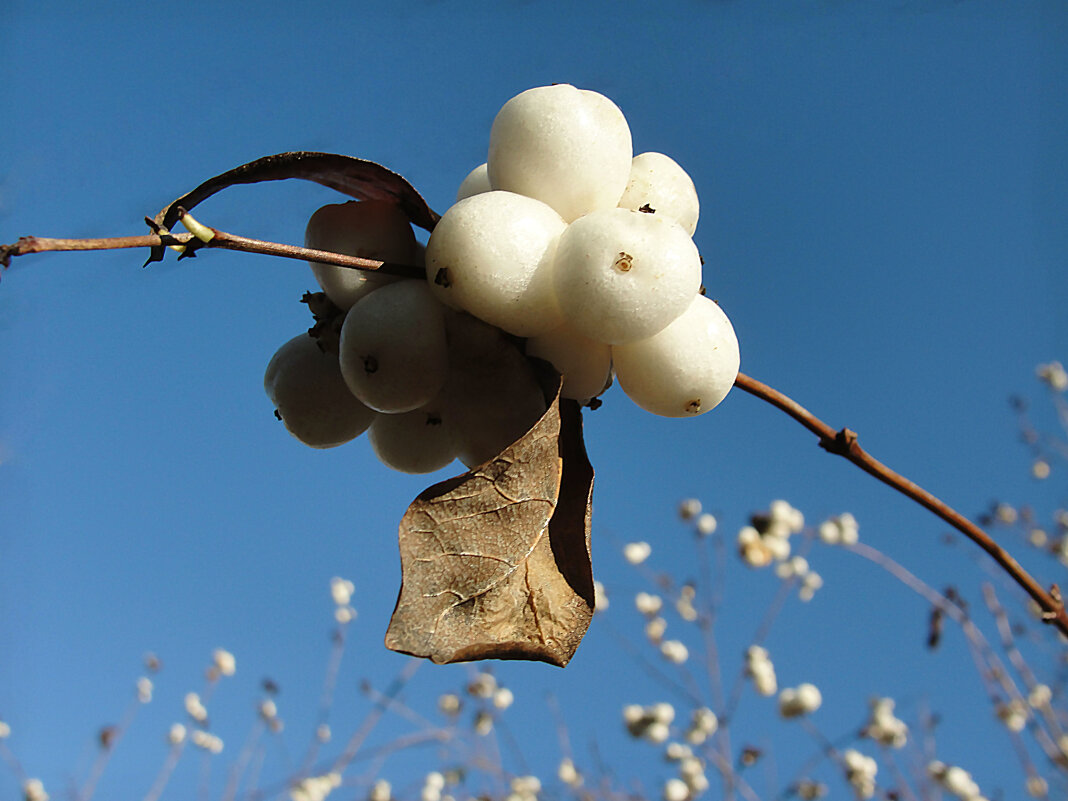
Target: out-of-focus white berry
674,651
648,604
656,732
684,605
703,723
753,548
585,365
419,441
144,689
860,771
176,734
449,703
659,185
393,352
1054,375
344,614
809,585
676,790
503,698
268,709
794,702
655,629
1040,469
808,790
662,712
5,730
1013,714
568,774
632,714
492,255
954,779
484,685
684,370
476,182
526,786
781,513
207,742
1005,514
1037,787
842,530
883,726
759,668
323,733
567,147
224,662
483,723
600,597
1040,696
33,790
637,552
315,788
675,752
370,229
689,509
311,397
706,524
341,590
622,276
381,790
432,786
195,708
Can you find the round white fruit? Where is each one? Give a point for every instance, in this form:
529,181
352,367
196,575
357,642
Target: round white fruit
311,397
492,395
684,370
585,365
393,352
420,441
623,275
570,148
370,229
491,255
476,182
659,184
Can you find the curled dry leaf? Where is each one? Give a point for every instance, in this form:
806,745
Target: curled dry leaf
358,178
495,563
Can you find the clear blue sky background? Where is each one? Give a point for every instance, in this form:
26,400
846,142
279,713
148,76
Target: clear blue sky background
883,218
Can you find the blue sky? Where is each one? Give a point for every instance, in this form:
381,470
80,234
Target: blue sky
883,206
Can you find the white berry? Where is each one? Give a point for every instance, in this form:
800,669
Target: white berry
567,147
491,255
370,229
393,351
684,370
659,184
623,275
311,397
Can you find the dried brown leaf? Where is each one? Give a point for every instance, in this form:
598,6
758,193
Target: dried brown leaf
496,562
358,178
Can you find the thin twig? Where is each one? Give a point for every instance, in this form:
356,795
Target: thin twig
219,239
844,443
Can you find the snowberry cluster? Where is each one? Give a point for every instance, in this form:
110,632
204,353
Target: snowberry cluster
563,246
565,237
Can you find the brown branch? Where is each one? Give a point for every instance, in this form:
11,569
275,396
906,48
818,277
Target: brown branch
219,239
844,443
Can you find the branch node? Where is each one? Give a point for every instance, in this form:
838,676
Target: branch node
843,443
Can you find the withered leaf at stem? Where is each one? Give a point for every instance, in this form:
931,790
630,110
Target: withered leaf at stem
358,178
495,563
